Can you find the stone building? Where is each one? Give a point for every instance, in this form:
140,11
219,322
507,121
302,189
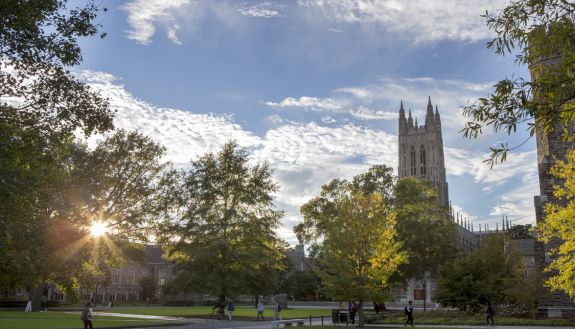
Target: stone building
550,147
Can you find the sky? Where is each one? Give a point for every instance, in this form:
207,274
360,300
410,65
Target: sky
312,87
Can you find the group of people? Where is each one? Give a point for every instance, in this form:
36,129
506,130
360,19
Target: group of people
221,306
352,308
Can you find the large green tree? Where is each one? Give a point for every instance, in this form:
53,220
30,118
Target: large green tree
352,225
532,30
41,104
32,178
492,273
301,284
560,224
124,183
38,46
225,235
53,191
427,234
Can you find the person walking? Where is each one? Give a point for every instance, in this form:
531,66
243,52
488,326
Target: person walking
277,310
353,311
86,316
260,311
408,310
490,313
231,310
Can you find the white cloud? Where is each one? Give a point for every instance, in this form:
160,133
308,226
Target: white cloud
462,162
359,101
423,20
306,156
185,134
143,15
313,103
365,113
518,203
262,10
172,34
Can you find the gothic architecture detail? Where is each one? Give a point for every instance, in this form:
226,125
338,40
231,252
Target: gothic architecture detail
421,150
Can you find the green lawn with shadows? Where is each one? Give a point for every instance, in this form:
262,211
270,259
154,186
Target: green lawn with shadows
241,311
58,320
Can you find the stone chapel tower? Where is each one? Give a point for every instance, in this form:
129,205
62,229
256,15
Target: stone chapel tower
421,150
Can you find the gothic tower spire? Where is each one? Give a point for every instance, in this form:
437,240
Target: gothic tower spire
429,115
421,150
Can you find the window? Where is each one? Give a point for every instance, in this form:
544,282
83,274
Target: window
19,292
422,164
413,161
130,279
116,278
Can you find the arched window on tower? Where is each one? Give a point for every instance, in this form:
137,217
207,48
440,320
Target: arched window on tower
422,159
413,166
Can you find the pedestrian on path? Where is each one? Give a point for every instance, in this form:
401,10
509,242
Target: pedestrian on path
353,311
231,309
260,311
490,313
277,310
408,310
86,316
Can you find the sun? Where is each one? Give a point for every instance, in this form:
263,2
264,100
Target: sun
98,229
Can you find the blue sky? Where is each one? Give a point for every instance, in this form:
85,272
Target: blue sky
311,86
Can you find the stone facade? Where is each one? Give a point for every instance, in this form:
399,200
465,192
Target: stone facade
550,148
421,150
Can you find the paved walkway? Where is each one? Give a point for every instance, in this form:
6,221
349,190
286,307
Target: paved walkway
194,323
224,324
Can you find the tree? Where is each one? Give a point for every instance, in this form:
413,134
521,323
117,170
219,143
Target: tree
518,232
353,226
31,180
560,225
53,190
39,42
225,234
424,228
41,104
122,183
535,30
148,287
302,284
491,273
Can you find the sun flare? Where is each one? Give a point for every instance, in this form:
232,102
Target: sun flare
98,229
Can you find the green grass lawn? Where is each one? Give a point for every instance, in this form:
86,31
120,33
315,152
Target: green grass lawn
197,311
58,320
459,318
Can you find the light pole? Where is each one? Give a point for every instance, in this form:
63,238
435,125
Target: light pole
424,296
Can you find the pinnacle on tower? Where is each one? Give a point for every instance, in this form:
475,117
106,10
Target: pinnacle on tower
429,114
401,111
410,120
